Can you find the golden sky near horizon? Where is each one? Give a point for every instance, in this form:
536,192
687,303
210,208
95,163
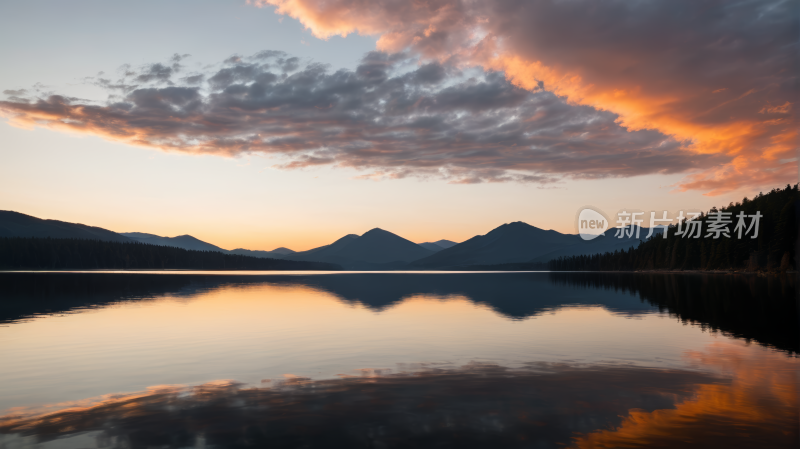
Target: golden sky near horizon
294,122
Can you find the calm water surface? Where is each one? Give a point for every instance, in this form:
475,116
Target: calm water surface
385,360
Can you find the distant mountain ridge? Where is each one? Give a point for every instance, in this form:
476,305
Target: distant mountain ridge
189,242
181,241
511,242
445,243
277,253
430,246
519,242
38,253
438,245
377,249
606,242
16,224
328,250
282,250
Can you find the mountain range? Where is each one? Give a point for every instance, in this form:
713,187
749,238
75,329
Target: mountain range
189,242
520,242
181,241
438,245
377,249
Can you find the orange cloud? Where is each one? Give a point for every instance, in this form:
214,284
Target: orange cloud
658,65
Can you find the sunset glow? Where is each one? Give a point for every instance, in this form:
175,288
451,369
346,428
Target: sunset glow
438,119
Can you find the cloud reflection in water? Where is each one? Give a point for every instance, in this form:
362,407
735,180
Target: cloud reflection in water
752,397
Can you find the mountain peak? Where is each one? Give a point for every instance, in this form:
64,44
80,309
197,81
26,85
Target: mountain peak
513,242
381,234
283,250
347,238
515,227
381,246
519,224
445,243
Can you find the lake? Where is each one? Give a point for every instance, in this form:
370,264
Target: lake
395,360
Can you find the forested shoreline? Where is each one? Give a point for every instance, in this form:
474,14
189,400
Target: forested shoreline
30,253
773,250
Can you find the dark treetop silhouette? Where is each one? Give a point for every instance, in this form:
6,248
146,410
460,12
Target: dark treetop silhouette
22,253
774,249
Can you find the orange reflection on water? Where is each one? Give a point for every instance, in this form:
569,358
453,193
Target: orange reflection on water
760,403
736,396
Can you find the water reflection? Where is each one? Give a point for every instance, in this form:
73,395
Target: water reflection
521,360
750,397
513,295
758,408
760,308
763,309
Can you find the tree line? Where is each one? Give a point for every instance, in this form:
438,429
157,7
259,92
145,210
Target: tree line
31,253
772,250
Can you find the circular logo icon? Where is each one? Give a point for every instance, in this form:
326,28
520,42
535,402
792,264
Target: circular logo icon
591,223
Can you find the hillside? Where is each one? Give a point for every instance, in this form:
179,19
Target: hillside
181,241
279,253
30,253
15,224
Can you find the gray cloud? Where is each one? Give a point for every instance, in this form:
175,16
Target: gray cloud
381,118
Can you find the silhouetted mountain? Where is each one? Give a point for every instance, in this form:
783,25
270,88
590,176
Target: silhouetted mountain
511,242
519,242
445,243
263,254
379,246
431,246
181,241
189,242
36,253
604,243
15,224
324,251
282,250
438,245
376,249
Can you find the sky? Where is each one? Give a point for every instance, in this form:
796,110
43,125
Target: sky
266,123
